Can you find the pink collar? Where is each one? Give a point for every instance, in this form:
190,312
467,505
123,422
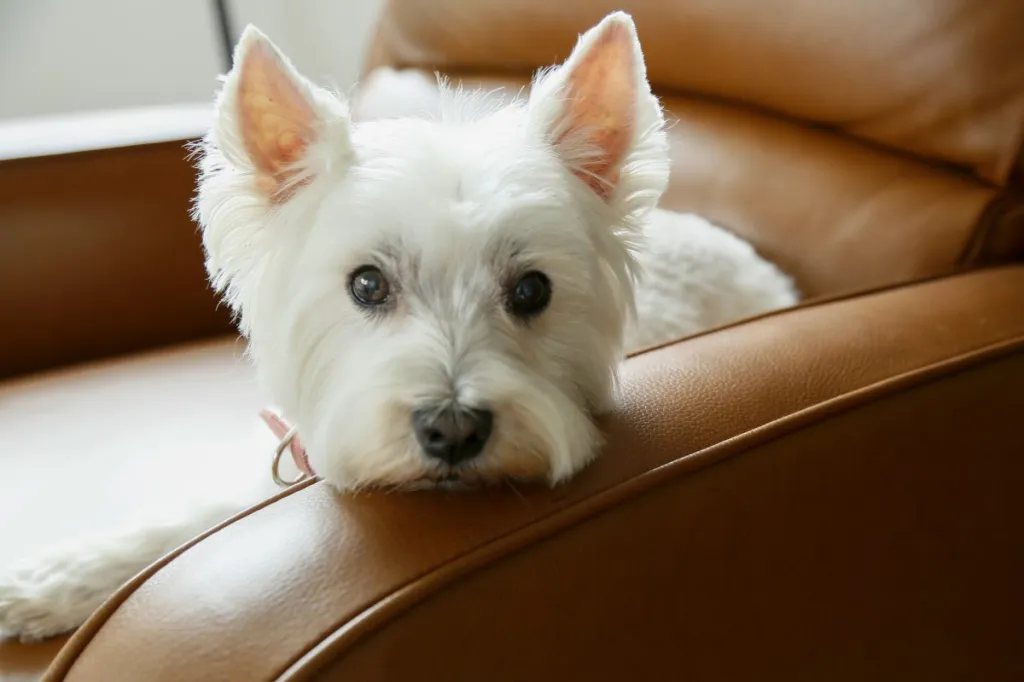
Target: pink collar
289,440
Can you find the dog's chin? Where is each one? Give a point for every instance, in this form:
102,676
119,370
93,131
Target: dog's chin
452,481
497,466
489,471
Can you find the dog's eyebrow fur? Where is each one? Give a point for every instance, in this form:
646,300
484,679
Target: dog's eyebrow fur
401,263
389,251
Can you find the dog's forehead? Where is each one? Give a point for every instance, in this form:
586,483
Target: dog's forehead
467,189
466,161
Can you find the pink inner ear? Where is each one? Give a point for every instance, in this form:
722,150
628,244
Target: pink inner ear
275,120
603,91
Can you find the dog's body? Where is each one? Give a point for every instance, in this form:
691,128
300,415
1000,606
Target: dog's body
439,300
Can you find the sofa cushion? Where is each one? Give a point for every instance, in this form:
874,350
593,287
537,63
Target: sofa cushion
27,662
84,448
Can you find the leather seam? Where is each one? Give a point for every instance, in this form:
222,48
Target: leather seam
822,301
376,616
973,253
1015,172
83,636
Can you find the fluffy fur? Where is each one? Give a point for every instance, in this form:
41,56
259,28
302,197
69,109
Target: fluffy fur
453,203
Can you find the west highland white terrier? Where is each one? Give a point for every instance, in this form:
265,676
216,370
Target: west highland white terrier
434,300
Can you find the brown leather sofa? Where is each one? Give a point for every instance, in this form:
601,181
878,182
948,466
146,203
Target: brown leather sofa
827,493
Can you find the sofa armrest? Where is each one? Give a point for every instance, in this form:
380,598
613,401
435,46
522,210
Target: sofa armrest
98,253
829,492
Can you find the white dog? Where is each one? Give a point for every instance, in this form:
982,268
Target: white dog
436,300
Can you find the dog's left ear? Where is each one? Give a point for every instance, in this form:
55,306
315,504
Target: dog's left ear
598,112
273,124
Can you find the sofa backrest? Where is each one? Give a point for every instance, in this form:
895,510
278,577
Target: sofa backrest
934,91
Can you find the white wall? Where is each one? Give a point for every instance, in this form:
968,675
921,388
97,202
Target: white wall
62,56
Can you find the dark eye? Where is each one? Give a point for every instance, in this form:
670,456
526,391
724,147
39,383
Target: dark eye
530,295
369,286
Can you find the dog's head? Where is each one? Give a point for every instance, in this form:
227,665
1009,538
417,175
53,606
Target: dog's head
435,300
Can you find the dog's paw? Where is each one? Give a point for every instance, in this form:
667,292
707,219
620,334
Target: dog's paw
56,592
27,619
45,600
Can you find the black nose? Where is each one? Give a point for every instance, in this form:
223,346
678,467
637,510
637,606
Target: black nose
453,434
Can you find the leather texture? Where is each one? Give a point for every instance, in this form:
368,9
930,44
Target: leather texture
98,257
941,79
829,492
192,409
27,662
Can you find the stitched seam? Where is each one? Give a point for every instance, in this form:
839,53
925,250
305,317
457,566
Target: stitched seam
826,300
1002,203
979,237
403,598
69,653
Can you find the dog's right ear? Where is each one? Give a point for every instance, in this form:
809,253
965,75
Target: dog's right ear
274,125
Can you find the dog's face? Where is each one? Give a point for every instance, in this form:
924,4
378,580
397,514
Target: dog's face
435,301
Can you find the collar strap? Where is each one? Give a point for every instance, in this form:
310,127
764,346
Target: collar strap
289,440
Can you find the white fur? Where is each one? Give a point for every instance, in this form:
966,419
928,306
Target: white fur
697,276
452,199
57,591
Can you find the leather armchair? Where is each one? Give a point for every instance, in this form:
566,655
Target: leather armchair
830,492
